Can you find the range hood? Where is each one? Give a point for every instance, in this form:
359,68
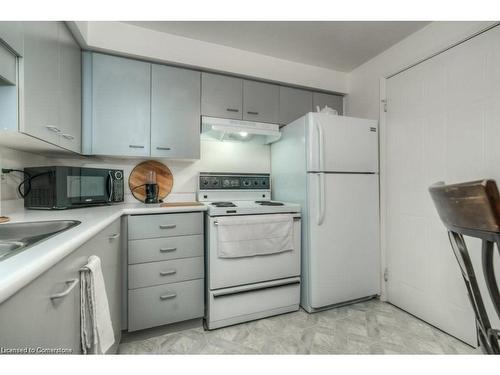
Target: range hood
238,130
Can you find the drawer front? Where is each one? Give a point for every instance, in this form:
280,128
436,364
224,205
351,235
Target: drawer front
165,304
164,225
158,249
169,271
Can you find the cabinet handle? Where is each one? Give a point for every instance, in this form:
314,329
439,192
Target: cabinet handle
252,113
54,129
232,110
168,273
163,148
135,146
68,136
114,236
167,226
71,285
168,296
167,249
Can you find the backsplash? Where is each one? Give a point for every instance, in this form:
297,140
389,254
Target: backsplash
215,157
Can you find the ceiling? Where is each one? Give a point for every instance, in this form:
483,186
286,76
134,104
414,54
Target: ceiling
338,45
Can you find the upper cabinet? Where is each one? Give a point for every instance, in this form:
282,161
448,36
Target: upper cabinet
260,101
333,101
50,85
135,108
120,99
294,103
235,98
70,91
11,34
221,96
175,113
8,73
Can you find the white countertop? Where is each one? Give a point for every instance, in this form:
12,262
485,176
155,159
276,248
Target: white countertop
20,269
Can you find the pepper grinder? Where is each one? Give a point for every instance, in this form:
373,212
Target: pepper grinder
151,188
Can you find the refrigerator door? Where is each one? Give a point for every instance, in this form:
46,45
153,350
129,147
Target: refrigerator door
344,256
341,144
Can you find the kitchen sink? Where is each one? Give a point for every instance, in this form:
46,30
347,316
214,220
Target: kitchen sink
17,237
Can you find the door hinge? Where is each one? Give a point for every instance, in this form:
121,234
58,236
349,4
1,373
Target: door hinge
386,275
385,105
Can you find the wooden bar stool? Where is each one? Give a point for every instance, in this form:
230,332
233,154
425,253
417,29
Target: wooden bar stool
473,209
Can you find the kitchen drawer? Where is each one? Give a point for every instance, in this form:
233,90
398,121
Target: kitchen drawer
169,271
157,249
164,304
164,225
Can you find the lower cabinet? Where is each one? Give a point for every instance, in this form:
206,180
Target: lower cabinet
33,318
165,269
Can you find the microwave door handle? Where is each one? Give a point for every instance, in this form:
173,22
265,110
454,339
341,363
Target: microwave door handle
111,186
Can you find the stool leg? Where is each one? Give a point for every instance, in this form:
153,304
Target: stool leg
483,323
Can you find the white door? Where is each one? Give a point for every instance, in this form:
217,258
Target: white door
442,125
344,237
341,144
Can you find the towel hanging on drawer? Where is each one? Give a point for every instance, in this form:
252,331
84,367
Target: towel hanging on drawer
96,329
245,236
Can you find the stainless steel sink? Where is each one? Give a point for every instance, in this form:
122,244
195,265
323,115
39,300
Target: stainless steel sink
16,237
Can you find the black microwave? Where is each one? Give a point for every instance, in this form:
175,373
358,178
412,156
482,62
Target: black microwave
71,187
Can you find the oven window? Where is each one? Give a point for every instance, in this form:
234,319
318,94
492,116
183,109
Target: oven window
86,186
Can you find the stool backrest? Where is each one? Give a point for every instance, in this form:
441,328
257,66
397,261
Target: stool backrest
471,205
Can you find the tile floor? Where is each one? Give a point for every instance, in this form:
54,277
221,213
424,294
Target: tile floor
371,327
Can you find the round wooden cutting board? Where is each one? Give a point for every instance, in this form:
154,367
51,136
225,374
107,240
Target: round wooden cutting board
139,174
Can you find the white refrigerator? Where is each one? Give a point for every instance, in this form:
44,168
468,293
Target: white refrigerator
329,164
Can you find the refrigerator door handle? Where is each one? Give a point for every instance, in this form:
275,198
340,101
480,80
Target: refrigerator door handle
321,148
321,198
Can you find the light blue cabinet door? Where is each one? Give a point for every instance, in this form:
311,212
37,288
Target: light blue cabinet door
221,96
333,101
121,97
70,91
175,113
39,80
261,101
294,103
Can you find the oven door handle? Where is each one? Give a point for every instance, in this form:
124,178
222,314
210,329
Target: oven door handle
253,288
111,185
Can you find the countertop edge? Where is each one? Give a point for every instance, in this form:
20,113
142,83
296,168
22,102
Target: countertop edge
18,279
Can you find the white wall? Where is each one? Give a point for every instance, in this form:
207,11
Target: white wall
134,41
363,83
215,157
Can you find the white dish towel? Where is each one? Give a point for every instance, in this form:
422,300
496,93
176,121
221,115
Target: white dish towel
245,236
95,320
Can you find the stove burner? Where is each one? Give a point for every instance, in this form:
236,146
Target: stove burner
223,204
269,203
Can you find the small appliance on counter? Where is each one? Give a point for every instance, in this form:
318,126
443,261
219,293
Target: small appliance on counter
151,188
65,187
150,182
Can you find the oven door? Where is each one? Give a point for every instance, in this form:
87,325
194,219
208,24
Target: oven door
84,186
228,272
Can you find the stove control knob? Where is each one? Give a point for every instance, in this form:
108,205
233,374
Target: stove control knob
226,183
246,183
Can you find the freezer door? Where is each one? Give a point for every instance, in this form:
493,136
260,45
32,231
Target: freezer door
344,256
341,144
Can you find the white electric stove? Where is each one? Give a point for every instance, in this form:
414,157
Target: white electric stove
246,288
